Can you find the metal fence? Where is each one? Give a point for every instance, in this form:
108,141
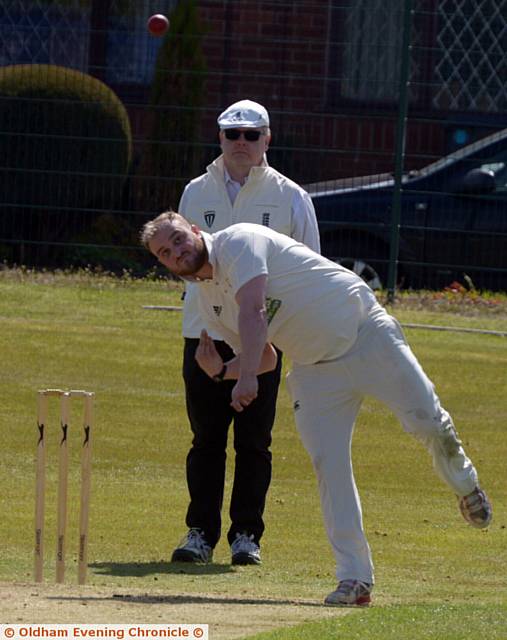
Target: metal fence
392,113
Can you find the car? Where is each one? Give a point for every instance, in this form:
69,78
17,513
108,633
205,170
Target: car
453,220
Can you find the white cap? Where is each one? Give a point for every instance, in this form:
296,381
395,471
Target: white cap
244,114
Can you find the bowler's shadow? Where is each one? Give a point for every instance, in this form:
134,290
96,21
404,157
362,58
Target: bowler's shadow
179,599
142,569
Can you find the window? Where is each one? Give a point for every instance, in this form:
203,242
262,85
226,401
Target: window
364,51
472,64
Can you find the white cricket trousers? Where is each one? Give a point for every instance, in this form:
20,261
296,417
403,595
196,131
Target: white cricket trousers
327,397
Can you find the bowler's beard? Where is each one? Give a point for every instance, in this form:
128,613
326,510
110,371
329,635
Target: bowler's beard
194,263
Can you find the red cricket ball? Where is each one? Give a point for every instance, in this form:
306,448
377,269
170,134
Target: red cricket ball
157,24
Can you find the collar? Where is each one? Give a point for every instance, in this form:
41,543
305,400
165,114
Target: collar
229,180
217,167
209,243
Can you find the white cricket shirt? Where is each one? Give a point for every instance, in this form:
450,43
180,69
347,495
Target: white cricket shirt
314,306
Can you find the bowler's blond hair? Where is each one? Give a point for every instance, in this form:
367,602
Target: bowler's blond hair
153,226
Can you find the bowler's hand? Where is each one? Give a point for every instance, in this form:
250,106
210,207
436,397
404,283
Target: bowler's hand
207,356
244,391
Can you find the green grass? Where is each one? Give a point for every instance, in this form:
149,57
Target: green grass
416,622
90,331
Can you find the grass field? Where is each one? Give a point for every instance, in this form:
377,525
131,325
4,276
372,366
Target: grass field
436,577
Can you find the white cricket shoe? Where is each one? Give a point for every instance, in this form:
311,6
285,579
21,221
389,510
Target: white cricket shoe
350,593
476,508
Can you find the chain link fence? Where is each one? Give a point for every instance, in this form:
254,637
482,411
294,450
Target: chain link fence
393,115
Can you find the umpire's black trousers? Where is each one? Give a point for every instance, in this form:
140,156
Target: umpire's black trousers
210,414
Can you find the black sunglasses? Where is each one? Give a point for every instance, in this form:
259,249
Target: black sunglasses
235,134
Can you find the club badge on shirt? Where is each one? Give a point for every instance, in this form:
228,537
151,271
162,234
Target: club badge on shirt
272,306
209,218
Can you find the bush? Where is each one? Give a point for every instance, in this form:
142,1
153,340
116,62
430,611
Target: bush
66,150
113,243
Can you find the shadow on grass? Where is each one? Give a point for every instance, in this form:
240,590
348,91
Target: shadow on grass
140,569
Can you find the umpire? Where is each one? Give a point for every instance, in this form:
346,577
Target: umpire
239,186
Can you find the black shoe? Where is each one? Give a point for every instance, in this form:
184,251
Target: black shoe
193,548
244,550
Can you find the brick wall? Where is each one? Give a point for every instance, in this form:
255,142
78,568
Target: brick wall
277,54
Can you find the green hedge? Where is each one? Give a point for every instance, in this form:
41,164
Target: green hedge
65,138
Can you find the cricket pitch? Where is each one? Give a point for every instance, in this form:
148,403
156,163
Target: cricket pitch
227,617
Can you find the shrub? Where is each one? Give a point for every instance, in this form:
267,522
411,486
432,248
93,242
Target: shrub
66,150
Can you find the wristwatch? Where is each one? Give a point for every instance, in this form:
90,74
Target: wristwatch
219,377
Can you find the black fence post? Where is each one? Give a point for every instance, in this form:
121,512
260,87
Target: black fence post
401,131
99,20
